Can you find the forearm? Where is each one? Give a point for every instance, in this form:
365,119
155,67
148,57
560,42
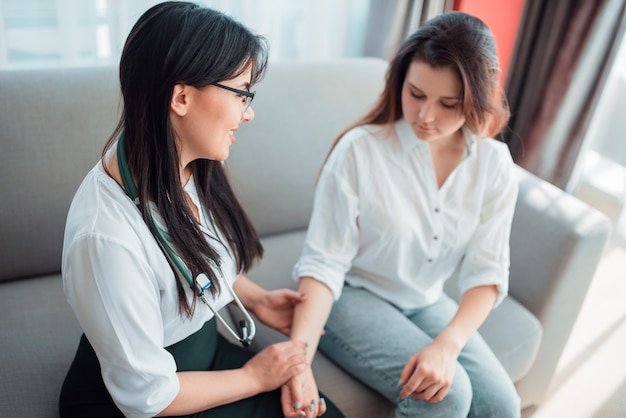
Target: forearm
248,292
310,315
200,391
474,308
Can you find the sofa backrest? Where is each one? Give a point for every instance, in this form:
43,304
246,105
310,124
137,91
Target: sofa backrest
54,123
277,157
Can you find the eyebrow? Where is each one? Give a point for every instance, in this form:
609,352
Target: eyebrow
443,97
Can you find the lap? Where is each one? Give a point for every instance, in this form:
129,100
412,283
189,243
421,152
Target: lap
84,392
373,340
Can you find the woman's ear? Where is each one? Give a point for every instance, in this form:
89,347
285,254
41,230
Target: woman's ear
180,99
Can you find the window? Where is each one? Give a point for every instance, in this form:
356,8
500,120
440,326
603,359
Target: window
600,173
66,33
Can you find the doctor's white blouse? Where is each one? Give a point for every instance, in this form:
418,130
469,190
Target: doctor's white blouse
123,292
380,221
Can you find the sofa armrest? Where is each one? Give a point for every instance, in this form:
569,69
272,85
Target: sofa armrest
556,245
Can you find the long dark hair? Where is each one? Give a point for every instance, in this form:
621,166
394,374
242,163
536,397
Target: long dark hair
462,43
171,43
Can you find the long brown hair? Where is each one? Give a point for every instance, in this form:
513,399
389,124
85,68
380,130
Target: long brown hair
462,43
171,43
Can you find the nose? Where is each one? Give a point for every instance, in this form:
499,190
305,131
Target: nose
427,112
248,115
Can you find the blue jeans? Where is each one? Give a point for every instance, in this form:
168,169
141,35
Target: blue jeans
373,340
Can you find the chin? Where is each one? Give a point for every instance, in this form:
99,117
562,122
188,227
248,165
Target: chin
424,136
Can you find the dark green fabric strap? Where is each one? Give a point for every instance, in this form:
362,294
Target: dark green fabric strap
122,163
161,235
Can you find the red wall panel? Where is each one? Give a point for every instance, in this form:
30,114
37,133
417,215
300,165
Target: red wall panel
503,18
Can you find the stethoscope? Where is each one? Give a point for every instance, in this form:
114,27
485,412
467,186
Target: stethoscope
247,325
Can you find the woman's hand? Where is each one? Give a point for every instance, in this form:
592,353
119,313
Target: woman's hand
275,308
276,364
300,397
428,374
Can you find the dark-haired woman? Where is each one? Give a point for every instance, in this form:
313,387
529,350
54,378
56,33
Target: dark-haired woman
156,242
409,194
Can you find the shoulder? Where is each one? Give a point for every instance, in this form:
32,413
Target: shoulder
359,135
490,146
493,153
100,210
361,139
493,160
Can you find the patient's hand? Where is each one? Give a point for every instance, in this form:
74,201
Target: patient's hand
300,397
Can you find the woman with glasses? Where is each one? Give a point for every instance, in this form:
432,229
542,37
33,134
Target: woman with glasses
413,193
156,242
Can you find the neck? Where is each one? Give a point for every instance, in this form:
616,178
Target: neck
454,143
185,175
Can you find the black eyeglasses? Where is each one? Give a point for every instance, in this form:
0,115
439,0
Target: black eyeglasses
246,95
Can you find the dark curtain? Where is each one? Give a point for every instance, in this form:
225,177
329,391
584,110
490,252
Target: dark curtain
563,54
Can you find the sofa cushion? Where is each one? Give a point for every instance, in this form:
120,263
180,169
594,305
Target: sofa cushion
514,335
39,334
54,125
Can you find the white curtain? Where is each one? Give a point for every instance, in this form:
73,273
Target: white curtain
61,33
65,33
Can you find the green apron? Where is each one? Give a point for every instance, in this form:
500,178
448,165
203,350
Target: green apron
84,394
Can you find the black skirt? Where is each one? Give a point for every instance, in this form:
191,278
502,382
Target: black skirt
84,394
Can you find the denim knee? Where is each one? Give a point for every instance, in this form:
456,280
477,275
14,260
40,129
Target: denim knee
456,404
505,404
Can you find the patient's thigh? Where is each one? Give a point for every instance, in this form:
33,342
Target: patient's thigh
373,340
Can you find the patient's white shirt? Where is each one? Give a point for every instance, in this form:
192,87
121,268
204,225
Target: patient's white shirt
123,293
381,222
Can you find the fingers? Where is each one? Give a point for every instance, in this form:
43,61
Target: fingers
428,389
295,297
426,394
421,382
441,393
307,402
315,408
278,363
410,379
288,401
321,407
406,373
289,295
296,394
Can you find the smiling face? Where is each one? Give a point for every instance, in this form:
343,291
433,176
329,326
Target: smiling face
431,102
205,119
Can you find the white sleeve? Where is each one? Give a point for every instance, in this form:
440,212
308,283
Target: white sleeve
487,258
332,238
115,297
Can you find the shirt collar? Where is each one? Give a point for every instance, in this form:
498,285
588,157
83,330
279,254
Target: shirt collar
409,141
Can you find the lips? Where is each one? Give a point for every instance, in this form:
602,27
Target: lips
424,128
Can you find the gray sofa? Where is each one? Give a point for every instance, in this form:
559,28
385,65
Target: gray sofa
53,125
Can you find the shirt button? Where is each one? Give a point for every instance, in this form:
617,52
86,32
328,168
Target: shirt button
430,260
436,210
435,237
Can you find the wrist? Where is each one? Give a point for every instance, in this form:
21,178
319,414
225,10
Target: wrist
255,385
451,339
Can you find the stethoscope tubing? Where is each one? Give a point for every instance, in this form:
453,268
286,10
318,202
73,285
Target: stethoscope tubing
202,282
